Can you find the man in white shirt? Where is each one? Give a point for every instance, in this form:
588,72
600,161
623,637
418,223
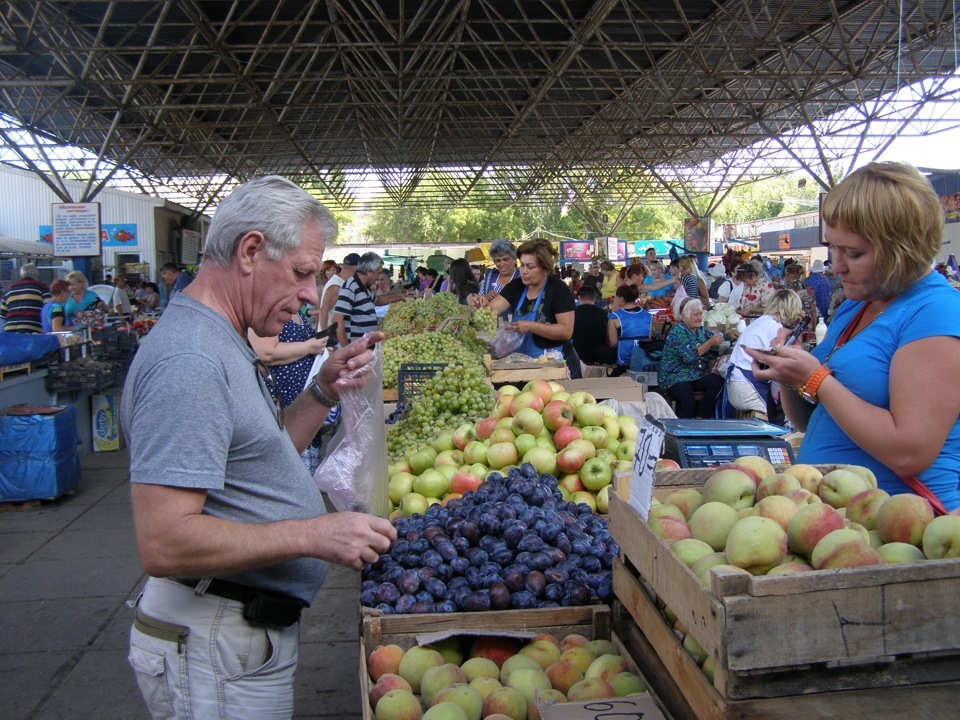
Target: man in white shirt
120,302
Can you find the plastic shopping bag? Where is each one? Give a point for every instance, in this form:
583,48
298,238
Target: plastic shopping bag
505,342
354,470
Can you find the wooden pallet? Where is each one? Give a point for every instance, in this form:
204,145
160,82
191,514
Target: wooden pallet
6,371
820,632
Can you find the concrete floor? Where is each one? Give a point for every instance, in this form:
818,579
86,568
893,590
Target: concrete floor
67,571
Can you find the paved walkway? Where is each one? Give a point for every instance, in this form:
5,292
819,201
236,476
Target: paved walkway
67,570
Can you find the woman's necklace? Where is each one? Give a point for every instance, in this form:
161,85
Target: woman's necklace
849,333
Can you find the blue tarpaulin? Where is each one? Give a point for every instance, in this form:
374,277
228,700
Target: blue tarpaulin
38,454
25,347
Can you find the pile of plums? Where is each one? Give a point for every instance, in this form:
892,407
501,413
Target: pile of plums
511,544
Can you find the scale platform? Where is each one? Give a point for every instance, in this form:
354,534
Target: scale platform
697,443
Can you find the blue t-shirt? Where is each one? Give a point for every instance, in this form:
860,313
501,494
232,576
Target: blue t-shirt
930,308
655,293
634,327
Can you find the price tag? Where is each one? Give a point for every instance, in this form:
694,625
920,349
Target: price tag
633,707
647,452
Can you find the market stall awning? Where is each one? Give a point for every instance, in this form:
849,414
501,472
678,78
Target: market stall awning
25,248
478,255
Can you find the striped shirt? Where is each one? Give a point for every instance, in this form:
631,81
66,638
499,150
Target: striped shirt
22,304
355,303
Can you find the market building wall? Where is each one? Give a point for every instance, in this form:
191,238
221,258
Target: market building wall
26,210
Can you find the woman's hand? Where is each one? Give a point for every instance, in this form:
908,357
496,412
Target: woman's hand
317,345
787,364
520,326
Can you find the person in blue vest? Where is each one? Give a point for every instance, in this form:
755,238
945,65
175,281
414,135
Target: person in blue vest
630,327
541,304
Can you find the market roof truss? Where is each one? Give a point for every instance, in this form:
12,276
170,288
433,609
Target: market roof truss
465,102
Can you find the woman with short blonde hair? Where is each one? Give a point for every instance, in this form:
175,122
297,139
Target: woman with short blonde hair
882,389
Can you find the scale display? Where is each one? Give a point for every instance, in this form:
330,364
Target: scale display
706,443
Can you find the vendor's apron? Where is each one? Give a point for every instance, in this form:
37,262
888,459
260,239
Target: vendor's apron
528,346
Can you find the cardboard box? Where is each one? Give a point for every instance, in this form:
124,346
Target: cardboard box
105,420
622,388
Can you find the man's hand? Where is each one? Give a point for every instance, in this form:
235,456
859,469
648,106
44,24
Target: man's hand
351,539
348,366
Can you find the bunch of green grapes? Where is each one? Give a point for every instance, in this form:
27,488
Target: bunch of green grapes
427,347
417,315
399,318
455,395
437,308
468,338
484,320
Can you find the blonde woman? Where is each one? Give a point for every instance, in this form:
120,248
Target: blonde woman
81,298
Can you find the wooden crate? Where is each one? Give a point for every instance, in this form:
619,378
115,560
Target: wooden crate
593,621
792,636
501,372
685,693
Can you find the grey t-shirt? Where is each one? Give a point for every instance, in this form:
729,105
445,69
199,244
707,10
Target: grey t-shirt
195,416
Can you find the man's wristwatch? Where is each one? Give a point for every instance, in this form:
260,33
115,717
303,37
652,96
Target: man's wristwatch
809,390
320,395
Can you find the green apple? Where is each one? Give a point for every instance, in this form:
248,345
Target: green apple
596,473
624,449
399,485
432,483
525,442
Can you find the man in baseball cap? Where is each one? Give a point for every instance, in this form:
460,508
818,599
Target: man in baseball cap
820,287
353,259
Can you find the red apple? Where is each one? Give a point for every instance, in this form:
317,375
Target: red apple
666,464
572,483
557,414
540,388
565,435
485,427
526,400
463,482
570,460
464,434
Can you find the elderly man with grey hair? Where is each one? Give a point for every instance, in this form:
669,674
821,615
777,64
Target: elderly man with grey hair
355,309
230,525
23,302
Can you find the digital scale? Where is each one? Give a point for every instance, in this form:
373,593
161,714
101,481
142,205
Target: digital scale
696,443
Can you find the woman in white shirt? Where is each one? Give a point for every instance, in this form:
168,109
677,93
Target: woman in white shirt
781,312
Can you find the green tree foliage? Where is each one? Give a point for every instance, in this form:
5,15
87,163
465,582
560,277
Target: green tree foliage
774,197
